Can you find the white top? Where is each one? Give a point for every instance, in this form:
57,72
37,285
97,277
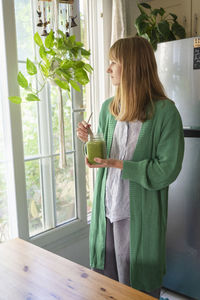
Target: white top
117,189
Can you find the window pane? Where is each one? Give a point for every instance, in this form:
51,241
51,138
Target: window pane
23,16
30,128
4,234
29,120
34,197
4,229
67,107
65,190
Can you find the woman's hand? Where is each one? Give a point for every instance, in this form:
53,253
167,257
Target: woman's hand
82,131
105,163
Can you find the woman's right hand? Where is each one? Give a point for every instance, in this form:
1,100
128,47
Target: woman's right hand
82,131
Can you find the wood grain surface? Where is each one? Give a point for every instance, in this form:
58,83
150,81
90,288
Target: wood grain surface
29,272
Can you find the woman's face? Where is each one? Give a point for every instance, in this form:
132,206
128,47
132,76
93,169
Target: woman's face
114,70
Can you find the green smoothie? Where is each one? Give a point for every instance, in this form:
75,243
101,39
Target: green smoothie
95,148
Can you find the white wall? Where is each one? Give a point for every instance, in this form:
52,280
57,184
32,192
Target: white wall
74,247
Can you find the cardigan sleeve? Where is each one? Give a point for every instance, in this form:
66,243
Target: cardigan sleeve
161,170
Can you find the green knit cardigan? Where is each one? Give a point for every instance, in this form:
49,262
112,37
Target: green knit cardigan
156,163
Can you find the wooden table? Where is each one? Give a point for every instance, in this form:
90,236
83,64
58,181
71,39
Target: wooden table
31,273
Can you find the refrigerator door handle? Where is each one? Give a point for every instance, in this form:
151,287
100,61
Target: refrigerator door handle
191,132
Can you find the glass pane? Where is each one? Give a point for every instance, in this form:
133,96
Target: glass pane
65,190
2,148
34,197
29,120
4,234
55,120
4,229
23,15
30,128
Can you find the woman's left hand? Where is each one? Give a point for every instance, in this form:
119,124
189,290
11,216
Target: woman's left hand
105,163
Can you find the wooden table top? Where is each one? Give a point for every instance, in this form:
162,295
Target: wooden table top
28,272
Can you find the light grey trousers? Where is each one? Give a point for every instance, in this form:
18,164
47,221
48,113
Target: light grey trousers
117,258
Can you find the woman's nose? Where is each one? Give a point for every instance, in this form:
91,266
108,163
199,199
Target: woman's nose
109,70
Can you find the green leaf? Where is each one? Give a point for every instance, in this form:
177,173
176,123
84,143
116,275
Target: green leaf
22,81
173,16
51,52
66,64
171,36
141,25
154,39
15,99
88,68
62,84
161,11
85,53
163,28
64,74
178,30
38,39
75,85
47,64
155,12
31,68
146,36
49,40
146,5
44,70
79,44
79,64
60,44
81,76
32,97
61,33
141,10
74,52
42,52
72,39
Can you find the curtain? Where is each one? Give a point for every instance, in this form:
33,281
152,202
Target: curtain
118,29
119,26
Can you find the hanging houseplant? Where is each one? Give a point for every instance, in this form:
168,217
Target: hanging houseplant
62,62
158,26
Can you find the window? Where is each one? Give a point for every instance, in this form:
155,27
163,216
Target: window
44,202
51,191
53,197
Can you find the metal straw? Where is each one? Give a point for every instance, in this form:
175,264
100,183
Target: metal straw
89,129
90,117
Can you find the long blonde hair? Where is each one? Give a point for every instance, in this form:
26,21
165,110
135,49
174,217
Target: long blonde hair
139,84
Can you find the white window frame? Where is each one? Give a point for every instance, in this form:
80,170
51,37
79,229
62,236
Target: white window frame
99,27
17,192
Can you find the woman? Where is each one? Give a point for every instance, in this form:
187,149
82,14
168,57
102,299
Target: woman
145,146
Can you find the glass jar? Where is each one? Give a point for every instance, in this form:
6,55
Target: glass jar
95,147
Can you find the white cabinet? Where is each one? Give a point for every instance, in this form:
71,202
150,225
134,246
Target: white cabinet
195,16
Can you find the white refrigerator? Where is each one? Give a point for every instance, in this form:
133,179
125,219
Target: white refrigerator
179,71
